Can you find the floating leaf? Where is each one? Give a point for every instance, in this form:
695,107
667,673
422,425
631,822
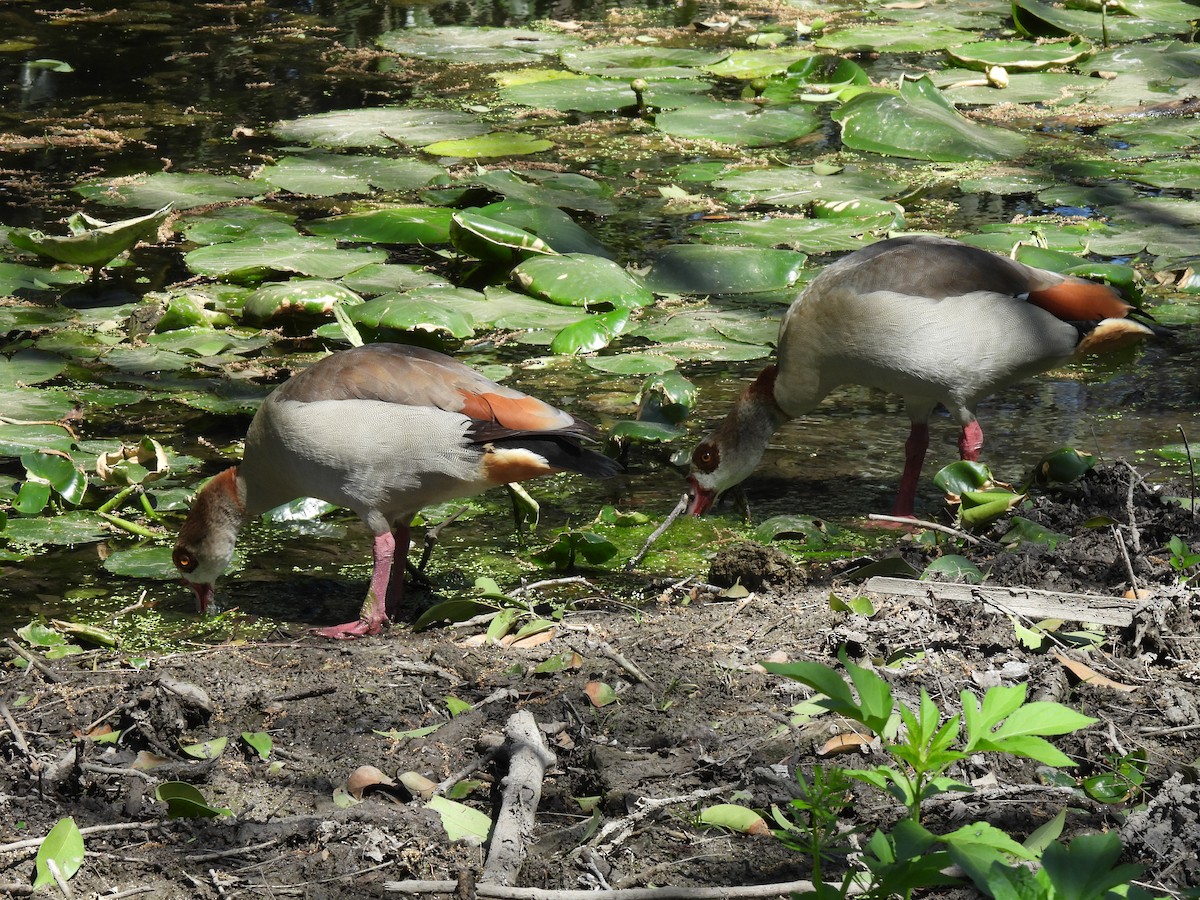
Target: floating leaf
1020,56
298,298
641,62
380,127
472,45
92,242
420,310
580,280
917,122
180,190
388,225
333,174
492,240
894,37
250,257
735,122
595,332
707,269
592,94
496,143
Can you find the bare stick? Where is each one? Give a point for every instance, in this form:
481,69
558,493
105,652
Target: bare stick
503,892
1187,448
18,735
657,533
1133,585
935,526
620,829
608,651
512,834
1135,536
34,843
478,762
549,582
16,648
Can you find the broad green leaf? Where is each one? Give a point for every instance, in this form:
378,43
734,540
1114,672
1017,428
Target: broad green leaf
794,527
962,476
260,742
667,397
473,45
1020,56
492,240
918,123
331,174
594,332
551,224
1087,869
26,367
1024,530
580,280
298,298
388,225
210,749
496,143
60,472
631,363
64,847
894,37
380,127
953,567
21,280
592,94
750,64
236,222
16,440
1039,19
736,122
421,310
181,190
75,527
462,823
641,62
451,611
144,562
708,269
186,802
315,256
808,235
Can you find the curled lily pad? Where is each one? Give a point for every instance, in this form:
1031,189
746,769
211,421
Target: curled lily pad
709,269
580,280
917,122
744,124
1020,56
668,398
380,127
418,311
92,242
492,240
549,223
595,332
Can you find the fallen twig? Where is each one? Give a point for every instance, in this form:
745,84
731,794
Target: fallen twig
657,533
935,526
16,648
1116,533
34,843
18,735
615,833
608,651
512,832
504,892
549,582
1024,601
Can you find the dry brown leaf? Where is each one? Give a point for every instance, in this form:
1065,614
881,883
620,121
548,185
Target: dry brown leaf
364,777
533,640
1088,675
145,761
849,742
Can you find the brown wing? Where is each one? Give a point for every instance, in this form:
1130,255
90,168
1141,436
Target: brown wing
414,376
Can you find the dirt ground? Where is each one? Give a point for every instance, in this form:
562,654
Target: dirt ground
694,719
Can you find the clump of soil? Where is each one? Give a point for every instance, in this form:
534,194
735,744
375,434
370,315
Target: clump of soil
695,721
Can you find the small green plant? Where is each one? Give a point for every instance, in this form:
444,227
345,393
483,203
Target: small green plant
1182,559
812,828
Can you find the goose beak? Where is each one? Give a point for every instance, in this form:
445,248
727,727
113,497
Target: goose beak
699,499
204,595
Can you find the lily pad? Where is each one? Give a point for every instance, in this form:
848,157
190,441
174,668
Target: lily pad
593,94
419,311
331,174
495,143
565,189
380,127
894,37
751,64
16,440
1020,56
917,122
744,124
27,367
641,62
76,527
581,280
299,297
559,231
237,222
492,240
595,332
388,225
1038,19
17,280
148,562
318,257
92,242
708,269
467,45
808,235
180,190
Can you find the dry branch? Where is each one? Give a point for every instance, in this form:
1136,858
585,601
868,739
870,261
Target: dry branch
504,892
1024,601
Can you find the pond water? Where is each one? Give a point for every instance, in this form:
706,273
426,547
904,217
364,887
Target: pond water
185,87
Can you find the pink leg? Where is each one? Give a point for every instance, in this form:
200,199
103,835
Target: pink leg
384,593
970,442
914,458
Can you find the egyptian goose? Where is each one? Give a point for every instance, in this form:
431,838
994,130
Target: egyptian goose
382,430
929,318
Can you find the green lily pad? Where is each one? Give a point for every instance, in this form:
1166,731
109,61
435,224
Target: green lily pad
896,37
16,440
492,240
565,189
299,297
744,124
495,143
59,472
819,78
380,127
92,242
466,45
711,269
593,94
149,562
35,404
235,223
595,332
1038,19
1053,89
318,257
792,186
388,225
75,527
750,64
331,174
384,278
917,122
631,363
641,62
1020,56
557,229
17,280
580,280
419,311
809,235
27,367
180,190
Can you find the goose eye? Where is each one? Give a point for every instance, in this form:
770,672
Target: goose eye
184,561
706,457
